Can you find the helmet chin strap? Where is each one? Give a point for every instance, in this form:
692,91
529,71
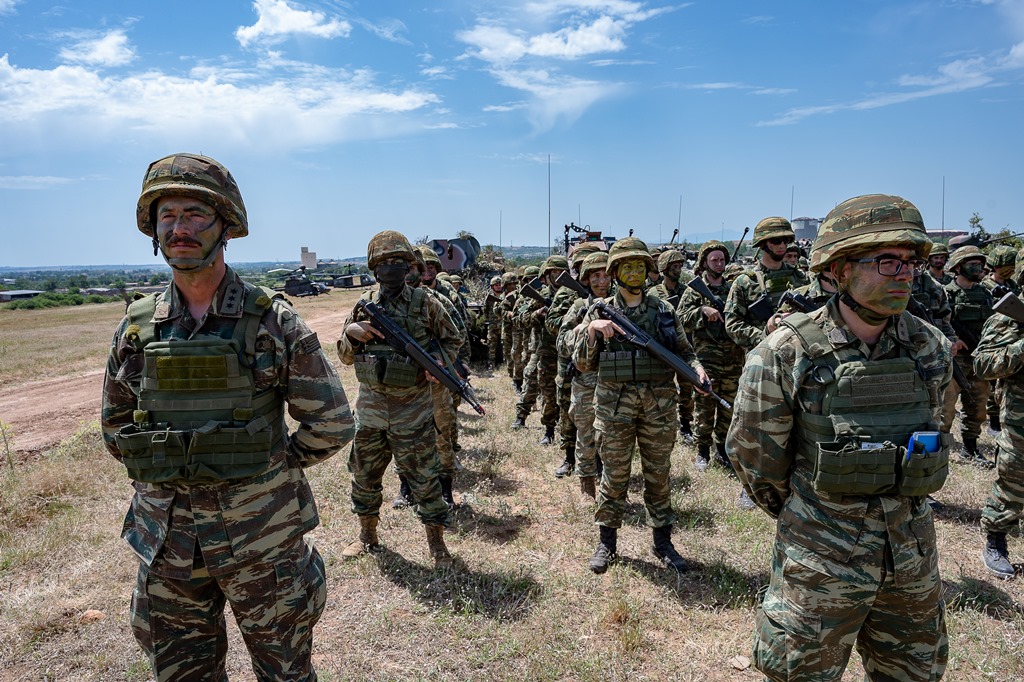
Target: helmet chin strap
869,316
632,290
195,264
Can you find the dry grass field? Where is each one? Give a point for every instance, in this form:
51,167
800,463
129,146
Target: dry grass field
522,604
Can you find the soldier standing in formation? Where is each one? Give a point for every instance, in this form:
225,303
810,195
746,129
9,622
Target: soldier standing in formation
394,409
823,400
492,315
1001,261
937,264
194,406
508,350
971,303
720,356
670,289
634,401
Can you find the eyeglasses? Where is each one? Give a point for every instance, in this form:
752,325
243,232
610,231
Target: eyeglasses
890,267
775,241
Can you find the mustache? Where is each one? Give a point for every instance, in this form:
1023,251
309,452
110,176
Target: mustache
182,241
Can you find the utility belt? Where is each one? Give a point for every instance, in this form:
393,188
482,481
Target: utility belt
387,368
215,452
630,365
851,468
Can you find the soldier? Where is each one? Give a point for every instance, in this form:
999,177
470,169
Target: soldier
718,354
824,400
522,342
937,264
971,303
792,256
194,406
633,403
394,410
508,287
670,289
998,356
754,296
540,380
492,314
1001,261
594,276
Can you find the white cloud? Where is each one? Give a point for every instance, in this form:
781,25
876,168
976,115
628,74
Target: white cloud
602,35
25,182
111,49
555,99
278,19
7,6
293,107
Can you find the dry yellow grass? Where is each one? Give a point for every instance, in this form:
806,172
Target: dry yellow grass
522,606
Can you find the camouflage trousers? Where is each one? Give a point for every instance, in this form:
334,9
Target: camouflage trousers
684,400
415,456
808,623
506,345
445,420
540,382
494,342
710,418
181,627
1005,505
517,357
581,411
563,393
995,398
973,400
627,415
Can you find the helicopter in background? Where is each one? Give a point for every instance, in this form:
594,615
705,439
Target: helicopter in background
297,283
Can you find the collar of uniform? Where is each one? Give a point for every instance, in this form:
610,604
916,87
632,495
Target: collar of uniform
405,294
840,335
227,300
621,304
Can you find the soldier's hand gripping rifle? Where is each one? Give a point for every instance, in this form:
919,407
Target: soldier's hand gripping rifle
700,286
399,339
918,310
804,304
641,339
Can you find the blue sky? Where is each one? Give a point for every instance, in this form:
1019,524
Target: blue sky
340,119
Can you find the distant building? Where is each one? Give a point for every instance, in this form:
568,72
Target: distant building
806,228
17,295
308,258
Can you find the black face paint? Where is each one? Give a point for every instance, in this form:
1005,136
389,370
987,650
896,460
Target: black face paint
391,277
973,271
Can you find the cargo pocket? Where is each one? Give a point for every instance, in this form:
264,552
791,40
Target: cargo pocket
923,473
299,601
848,469
787,641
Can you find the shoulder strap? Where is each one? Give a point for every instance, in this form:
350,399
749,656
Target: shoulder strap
257,301
140,320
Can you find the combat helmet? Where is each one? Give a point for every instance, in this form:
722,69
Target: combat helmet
388,244
195,176
496,280
771,227
962,254
1001,256
939,249
508,278
630,247
867,222
667,258
555,262
530,271
596,260
580,252
708,247
429,255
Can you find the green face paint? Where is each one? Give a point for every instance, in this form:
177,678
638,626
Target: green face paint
973,270
877,297
632,273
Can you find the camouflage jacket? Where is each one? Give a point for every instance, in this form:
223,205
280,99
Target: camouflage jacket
560,305
741,326
387,407
822,531
945,279
971,307
1010,285
710,340
457,319
933,297
1000,355
527,318
813,291
492,307
662,291
461,313
165,523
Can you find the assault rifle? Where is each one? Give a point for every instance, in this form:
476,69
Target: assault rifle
492,299
399,339
700,286
804,304
564,279
1011,306
641,339
532,289
918,310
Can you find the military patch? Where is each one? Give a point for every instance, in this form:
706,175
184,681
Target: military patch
132,333
264,344
309,343
234,296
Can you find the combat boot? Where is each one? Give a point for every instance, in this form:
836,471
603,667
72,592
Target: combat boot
438,550
367,541
588,486
568,465
519,423
994,424
970,454
404,497
996,557
686,433
518,383
664,550
700,462
722,458
549,435
446,490
744,502
605,552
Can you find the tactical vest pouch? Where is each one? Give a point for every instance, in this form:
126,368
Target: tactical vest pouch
762,308
368,369
970,312
629,366
400,371
923,473
152,456
849,469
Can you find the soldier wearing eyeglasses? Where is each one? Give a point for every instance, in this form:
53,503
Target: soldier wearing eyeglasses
828,406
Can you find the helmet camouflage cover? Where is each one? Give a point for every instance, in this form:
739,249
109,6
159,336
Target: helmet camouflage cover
531,271
597,260
553,263
708,247
868,222
1001,256
962,254
508,278
771,227
199,177
388,244
496,280
939,249
429,255
629,247
581,251
667,258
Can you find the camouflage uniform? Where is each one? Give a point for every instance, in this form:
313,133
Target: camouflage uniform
971,307
493,317
507,331
564,300
394,416
999,257
999,356
190,523
721,358
673,296
933,297
855,559
540,381
635,411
